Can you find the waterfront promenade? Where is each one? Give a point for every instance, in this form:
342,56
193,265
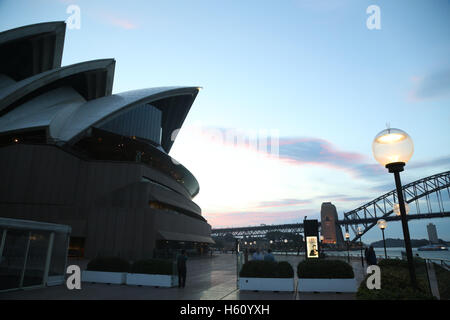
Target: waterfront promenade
208,278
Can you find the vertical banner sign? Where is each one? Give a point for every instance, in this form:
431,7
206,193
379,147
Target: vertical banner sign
311,228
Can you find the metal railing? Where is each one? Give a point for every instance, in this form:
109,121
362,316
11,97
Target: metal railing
444,263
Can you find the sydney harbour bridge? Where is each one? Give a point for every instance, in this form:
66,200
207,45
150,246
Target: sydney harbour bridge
427,198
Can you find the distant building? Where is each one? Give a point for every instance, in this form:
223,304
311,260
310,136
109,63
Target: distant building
432,233
331,232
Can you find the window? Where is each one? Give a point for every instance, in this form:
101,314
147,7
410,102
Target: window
143,121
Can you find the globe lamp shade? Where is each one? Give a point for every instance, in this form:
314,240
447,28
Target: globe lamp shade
396,208
392,146
382,224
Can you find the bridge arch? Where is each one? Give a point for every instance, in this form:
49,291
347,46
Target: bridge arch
368,214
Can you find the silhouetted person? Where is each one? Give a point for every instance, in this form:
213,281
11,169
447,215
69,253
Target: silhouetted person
371,256
181,266
366,255
257,255
269,256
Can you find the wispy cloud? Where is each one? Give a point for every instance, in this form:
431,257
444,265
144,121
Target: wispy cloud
320,152
117,21
256,218
254,201
303,151
431,86
282,203
341,198
264,211
437,162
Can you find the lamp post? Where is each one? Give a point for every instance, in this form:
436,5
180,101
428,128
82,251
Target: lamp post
347,236
393,148
321,245
382,224
361,244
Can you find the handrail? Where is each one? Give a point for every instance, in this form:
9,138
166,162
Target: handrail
445,263
439,259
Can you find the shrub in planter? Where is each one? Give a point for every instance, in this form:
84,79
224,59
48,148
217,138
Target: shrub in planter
324,269
153,266
108,264
266,269
285,270
395,285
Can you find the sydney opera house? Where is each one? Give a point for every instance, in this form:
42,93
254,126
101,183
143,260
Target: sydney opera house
73,153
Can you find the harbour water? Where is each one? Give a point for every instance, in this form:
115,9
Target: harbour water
396,252
393,253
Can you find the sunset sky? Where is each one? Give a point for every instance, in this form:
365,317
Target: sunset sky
307,75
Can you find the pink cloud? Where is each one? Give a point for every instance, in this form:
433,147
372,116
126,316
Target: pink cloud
320,152
302,151
114,20
282,203
253,218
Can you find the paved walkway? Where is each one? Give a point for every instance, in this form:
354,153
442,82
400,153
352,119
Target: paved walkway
207,279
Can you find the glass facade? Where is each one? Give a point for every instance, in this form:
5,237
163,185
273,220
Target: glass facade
143,121
105,145
30,252
57,268
36,257
13,258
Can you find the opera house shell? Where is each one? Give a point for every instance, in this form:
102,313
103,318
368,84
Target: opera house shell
73,153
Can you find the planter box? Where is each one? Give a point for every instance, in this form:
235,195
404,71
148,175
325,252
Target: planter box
267,284
104,277
327,285
155,280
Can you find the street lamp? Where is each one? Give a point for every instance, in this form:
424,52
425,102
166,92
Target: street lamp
393,148
382,224
360,244
347,236
396,208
